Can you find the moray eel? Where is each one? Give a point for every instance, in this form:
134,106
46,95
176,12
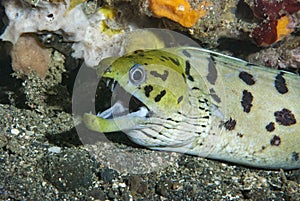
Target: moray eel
203,103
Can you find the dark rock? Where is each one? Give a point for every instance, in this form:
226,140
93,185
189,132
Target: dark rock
108,174
68,170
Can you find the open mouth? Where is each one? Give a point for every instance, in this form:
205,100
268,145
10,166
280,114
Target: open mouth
123,104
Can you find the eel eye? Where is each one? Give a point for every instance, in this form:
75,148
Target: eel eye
137,74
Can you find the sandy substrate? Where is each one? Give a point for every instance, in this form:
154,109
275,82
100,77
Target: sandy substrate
42,157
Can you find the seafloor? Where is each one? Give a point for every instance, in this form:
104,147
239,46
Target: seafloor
42,157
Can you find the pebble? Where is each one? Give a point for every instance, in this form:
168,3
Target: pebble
14,131
54,149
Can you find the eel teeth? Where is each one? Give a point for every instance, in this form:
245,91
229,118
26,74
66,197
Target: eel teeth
142,112
118,110
111,84
107,82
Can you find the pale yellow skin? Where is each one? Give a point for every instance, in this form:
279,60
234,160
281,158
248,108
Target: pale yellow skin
214,106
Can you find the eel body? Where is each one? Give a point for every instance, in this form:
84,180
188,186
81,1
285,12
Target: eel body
203,103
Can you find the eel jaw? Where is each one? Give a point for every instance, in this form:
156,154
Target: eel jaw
118,110
116,118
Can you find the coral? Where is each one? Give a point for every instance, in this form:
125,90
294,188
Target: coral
285,55
32,2
278,21
273,9
273,31
106,26
39,2
74,3
26,19
27,55
179,11
91,42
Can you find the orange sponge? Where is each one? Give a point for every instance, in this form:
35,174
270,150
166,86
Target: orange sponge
179,11
283,27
